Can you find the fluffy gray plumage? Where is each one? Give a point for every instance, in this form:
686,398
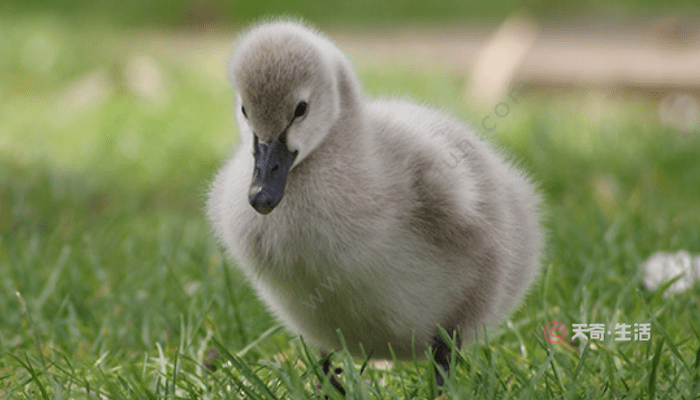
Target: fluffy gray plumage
396,215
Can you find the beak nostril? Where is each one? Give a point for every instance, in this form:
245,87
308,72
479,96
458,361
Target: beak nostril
275,168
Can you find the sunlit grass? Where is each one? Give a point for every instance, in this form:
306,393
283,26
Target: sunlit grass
111,284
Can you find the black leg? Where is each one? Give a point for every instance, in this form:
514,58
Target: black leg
442,354
331,374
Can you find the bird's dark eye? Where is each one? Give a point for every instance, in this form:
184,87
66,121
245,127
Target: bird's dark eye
300,110
243,111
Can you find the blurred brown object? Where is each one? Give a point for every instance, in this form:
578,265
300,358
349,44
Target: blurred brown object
498,62
675,31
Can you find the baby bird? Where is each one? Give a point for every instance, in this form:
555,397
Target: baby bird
383,219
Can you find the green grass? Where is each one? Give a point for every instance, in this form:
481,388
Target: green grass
111,285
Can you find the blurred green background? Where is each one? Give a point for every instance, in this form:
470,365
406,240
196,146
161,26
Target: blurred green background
228,13
114,117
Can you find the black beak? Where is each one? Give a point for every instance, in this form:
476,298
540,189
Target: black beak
272,163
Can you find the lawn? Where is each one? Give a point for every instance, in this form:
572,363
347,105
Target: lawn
111,285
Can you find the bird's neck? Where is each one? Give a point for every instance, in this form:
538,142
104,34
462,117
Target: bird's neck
345,147
349,89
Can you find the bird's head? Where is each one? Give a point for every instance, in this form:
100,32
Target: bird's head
287,101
